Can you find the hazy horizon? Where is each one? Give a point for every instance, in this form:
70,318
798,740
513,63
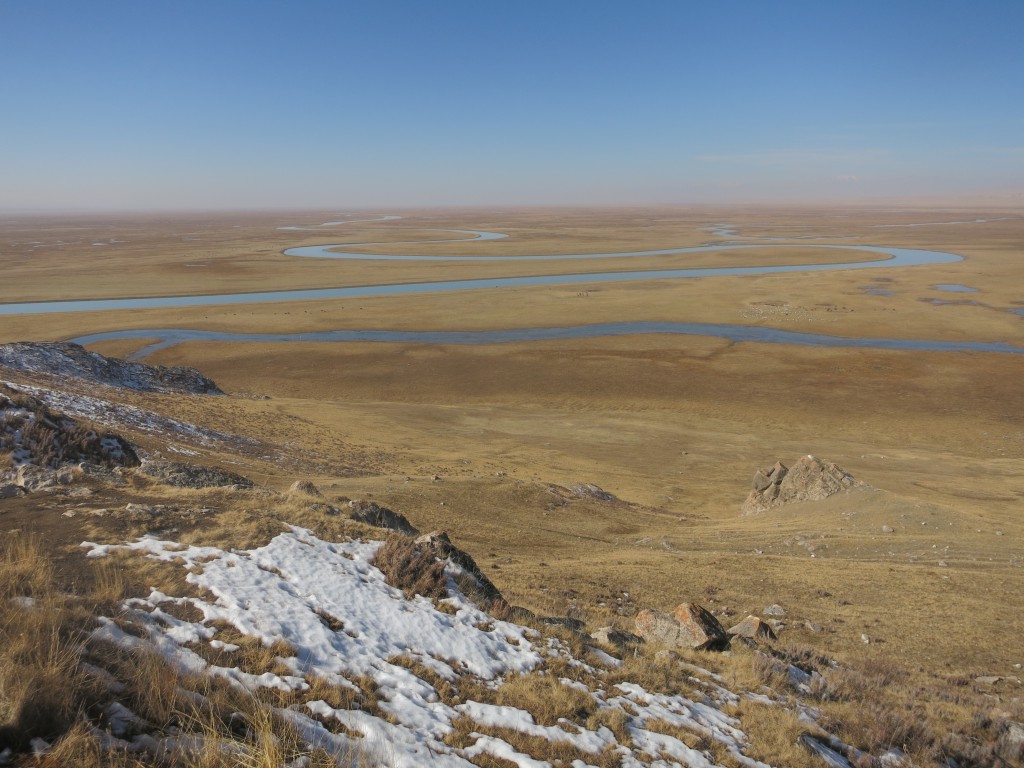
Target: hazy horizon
317,105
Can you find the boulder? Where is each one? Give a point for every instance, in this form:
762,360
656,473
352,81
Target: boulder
774,610
809,479
305,488
689,626
182,475
752,628
1011,743
381,517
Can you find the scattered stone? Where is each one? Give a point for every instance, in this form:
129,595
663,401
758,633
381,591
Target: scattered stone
815,628
774,610
865,639
689,626
810,479
887,529
616,637
305,488
75,361
182,475
753,628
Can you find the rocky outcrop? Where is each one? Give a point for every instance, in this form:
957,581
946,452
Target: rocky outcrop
809,479
688,626
182,475
41,445
373,514
752,628
591,491
75,361
473,583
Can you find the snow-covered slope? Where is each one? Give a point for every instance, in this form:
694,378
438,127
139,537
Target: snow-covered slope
342,622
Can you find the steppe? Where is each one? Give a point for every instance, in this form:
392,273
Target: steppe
476,440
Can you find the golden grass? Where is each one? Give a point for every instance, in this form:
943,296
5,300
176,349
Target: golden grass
676,424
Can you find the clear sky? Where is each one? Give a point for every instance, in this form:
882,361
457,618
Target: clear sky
310,103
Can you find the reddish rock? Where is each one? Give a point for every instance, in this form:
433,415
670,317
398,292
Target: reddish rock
689,626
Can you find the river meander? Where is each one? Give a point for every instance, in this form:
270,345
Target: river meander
894,257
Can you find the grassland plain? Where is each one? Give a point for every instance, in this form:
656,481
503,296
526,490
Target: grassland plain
673,425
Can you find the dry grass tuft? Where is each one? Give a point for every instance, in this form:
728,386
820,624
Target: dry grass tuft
411,568
546,698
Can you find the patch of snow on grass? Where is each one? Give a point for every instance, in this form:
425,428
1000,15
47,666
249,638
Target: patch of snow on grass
342,621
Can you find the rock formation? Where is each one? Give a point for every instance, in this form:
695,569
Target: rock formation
809,479
40,445
474,584
75,361
182,475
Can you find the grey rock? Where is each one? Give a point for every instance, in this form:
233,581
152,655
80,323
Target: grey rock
809,479
573,625
774,610
33,478
1011,743
616,637
988,679
75,361
471,580
182,475
10,490
381,517
33,434
753,628
591,491
887,529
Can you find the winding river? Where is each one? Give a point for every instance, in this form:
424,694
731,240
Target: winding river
894,257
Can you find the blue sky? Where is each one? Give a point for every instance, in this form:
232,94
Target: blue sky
147,104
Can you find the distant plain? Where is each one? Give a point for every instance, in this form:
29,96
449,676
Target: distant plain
675,425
